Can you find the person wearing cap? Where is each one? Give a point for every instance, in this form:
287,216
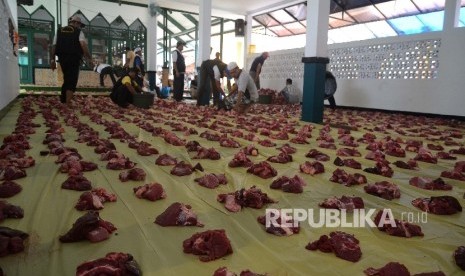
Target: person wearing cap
139,64
211,73
247,92
70,45
125,88
179,69
256,68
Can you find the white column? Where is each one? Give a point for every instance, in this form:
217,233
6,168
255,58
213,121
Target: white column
152,37
317,28
205,14
247,37
451,14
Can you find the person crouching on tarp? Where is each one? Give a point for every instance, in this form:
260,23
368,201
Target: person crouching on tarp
124,89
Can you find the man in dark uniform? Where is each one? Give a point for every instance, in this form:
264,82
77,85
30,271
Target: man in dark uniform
69,46
125,88
256,68
179,69
211,72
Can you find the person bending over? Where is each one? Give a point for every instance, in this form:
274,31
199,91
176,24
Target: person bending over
246,90
125,88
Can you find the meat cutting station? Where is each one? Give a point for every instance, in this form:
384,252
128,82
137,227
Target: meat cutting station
197,161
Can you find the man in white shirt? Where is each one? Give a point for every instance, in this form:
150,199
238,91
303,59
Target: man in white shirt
105,69
291,93
247,93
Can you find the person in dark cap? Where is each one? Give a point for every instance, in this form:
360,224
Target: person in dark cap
70,45
179,69
125,88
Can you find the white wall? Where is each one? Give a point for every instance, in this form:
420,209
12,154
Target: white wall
9,76
443,95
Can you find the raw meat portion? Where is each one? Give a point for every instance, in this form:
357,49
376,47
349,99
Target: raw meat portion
459,257
8,210
166,160
343,203
402,228
282,158
135,174
267,143
348,152
439,205
383,189
429,184
152,192
240,160
445,155
12,173
460,150
318,155
312,168
342,177
381,168
351,163
287,149
204,153
344,245
289,185
93,200
409,165
263,170
120,164
209,245
426,156
250,150
223,271
77,183
280,229
192,146
453,175
459,166
182,169
229,143
11,241
9,189
211,180
106,156
114,263
389,269
178,214
68,156
76,167
252,197
89,226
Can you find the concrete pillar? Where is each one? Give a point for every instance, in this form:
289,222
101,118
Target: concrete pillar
152,44
315,60
203,53
451,14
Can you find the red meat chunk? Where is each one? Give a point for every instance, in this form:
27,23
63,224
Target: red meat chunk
178,214
289,185
212,180
112,264
439,205
263,170
344,245
383,189
312,168
429,184
343,203
150,192
209,245
252,197
135,174
389,269
9,189
77,183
